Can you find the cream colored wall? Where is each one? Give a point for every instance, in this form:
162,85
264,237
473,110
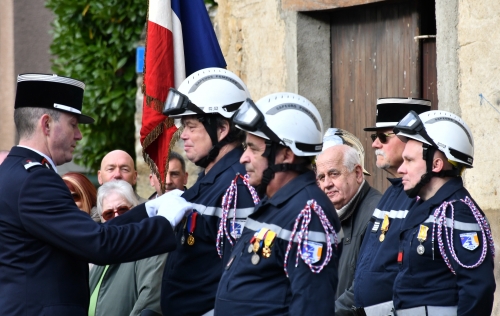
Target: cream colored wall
7,77
479,73
253,38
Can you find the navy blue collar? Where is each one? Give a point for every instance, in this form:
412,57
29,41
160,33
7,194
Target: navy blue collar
422,209
226,162
291,188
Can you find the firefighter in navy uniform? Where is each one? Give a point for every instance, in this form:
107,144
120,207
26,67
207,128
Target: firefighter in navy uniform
205,103
377,267
286,261
446,248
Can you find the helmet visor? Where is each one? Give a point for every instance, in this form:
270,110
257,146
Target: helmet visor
178,103
411,124
250,118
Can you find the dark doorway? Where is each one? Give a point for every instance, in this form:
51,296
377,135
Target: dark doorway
375,54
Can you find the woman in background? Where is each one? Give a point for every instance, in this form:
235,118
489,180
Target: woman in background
83,191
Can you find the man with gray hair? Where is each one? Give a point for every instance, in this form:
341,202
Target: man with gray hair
340,176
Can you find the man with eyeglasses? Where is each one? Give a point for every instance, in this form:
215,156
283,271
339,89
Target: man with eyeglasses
377,266
130,288
446,248
285,262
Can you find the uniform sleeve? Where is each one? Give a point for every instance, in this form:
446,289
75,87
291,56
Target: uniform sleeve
148,277
313,293
475,286
48,212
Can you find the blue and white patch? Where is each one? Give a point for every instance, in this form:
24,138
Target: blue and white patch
311,253
376,225
238,228
470,241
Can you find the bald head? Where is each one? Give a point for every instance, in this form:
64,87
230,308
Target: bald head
339,174
117,165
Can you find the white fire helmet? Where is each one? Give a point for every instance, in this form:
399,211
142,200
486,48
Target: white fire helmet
285,118
443,130
207,91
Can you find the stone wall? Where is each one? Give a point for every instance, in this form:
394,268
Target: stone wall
274,49
479,74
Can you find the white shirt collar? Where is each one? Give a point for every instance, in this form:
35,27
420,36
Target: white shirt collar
43,155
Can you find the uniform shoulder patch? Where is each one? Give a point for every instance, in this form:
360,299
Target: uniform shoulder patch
311,252
470,241
28,164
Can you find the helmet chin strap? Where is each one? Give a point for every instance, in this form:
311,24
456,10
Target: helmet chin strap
428,156
210,124
268,174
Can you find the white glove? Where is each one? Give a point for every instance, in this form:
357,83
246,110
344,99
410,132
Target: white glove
175,209
152,206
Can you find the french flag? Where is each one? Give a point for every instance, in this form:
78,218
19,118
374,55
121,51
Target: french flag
180,40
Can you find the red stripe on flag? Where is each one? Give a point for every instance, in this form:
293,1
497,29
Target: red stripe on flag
157,130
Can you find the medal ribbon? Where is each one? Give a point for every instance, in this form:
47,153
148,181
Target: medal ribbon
422,233
439,223
269,238
191,222
304,218
226,205
385,224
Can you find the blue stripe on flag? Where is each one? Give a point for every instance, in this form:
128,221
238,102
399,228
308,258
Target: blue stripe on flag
201,48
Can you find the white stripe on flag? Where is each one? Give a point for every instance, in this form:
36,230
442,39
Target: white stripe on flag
160,12
179,63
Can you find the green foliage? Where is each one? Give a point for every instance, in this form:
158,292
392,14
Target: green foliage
94,41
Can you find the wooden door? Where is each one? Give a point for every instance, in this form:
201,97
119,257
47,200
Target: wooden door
374,55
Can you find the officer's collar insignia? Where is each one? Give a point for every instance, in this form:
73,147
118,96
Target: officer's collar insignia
46,163
28,164
470,241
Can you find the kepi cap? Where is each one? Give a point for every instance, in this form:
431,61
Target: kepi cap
51,92
337,136
392,110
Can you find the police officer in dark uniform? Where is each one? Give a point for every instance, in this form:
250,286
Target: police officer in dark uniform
446,249
46,242
377,266
286,261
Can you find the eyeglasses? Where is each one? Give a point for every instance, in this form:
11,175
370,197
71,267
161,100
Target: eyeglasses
110,213
382,137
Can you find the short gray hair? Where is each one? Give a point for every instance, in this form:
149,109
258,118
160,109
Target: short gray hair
351,158
26,118
121,187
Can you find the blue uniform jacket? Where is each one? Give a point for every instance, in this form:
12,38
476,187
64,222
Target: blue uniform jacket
377,264
264,289
192,273
46,242
424,281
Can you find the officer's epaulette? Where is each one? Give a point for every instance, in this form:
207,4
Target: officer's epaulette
30,163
